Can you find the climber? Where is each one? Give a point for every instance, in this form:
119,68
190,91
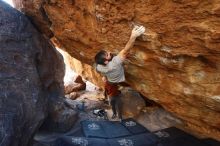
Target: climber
111,67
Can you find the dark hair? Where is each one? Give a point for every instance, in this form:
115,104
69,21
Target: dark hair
100,57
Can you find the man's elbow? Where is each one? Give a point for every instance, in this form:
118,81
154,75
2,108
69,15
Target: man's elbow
123,56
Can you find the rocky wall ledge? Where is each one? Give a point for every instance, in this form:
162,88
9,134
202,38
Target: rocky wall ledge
176,63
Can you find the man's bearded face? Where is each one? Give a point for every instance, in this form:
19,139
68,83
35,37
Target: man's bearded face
109,56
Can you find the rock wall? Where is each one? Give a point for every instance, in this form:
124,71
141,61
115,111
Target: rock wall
31,81
176,62
74,66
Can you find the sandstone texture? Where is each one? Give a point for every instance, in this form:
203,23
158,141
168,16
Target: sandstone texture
132,103
31,79
176,62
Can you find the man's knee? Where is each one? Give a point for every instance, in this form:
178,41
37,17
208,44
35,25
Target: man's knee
112,100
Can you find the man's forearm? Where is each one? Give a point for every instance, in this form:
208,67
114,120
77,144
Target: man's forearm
137,31
127,47
129,44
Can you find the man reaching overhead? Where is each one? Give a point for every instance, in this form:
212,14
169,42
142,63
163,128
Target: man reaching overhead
112,68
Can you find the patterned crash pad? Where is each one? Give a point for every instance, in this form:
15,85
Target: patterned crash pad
211,142
176,137
129,133
145,139
80,141
110,129
134,127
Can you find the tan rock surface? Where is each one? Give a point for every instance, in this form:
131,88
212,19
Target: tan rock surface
176,63
132,103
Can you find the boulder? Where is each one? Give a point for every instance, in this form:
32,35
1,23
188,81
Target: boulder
176,62
31,77
132,103
61,117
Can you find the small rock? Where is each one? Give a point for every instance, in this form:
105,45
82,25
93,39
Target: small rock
73,95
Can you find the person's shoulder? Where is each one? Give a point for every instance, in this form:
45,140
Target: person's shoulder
102,69
117,59
99,67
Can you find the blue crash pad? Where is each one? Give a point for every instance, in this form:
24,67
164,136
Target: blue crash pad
211,142
134,127
129,133
80,141
145,139
93,129
176,137
104,129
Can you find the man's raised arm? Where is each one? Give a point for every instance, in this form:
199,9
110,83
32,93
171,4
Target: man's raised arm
137,31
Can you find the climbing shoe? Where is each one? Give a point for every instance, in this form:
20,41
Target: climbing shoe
113,116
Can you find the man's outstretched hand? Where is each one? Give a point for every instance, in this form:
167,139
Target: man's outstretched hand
137,31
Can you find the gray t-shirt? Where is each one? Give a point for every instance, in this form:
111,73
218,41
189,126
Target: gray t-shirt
114,70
